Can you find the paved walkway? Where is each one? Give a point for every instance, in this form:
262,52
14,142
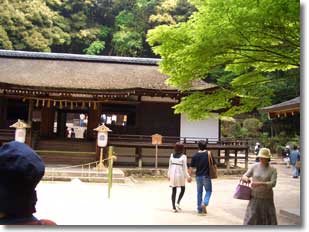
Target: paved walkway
147,202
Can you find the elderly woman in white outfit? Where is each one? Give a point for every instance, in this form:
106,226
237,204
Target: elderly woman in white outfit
177,174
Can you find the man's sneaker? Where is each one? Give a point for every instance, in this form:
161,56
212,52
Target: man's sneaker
178,206
204,210
175,210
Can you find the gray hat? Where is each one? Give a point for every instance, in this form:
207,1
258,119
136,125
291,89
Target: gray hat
264,153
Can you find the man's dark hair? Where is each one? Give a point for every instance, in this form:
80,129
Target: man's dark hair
295,147
202,145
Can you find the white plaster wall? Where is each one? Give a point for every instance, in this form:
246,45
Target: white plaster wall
204,128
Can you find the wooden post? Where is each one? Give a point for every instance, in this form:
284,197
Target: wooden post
105,155
156,139
29,131
227,158
156,164
138,156
235,161
110,170
246,158
100,165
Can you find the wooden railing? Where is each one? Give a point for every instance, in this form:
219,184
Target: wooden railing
174,139
6,135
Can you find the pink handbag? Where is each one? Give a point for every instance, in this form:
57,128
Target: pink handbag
243,191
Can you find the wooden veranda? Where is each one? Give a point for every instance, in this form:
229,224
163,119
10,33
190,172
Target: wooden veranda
131,149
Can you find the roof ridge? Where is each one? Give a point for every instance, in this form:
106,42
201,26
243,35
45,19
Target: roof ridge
79,57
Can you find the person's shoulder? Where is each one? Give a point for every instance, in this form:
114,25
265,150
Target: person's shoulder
253,166
273,168
40,222
47,222
195,154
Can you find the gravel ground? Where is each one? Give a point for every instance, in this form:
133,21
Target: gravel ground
146,201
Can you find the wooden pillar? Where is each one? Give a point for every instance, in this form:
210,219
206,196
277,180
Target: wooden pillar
235,161
93,121
47,123
138,156
3,106
219,155
61,124
29,122
227,158
105,155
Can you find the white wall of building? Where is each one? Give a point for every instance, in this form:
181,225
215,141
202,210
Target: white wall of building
204,128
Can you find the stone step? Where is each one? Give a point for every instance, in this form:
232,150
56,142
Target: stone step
85,173
91,179
63,174
293,214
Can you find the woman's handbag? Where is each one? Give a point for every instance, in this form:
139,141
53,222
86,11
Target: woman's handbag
243,191
297,164
212,167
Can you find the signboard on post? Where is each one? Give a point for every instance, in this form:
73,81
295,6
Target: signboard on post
20,130
156,140
102,139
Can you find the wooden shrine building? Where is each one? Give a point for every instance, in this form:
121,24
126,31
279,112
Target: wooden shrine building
284,116
65,96
287,108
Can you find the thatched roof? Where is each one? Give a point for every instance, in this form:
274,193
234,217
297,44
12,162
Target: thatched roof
69,71
284,108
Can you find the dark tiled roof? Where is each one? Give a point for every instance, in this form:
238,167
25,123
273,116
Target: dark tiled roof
290,104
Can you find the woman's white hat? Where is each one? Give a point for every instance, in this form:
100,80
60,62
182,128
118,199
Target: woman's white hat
264,153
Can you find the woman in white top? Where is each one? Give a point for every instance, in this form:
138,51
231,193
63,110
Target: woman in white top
177,174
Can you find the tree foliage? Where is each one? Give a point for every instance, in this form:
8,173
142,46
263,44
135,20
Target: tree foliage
246,41
30,25
101,27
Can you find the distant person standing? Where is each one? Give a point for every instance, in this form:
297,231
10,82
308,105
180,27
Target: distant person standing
294,157
67,132
81,119
86,120
103,118
72,133
200,162
177,174
287,152
256,151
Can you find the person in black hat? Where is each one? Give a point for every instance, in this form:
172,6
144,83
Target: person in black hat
21,169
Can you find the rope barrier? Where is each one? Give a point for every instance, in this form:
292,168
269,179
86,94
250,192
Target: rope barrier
65,152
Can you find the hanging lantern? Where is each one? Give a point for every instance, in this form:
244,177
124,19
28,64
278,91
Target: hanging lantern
43,102
37,103
48,103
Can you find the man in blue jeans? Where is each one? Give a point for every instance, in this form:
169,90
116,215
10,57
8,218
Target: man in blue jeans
200,162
